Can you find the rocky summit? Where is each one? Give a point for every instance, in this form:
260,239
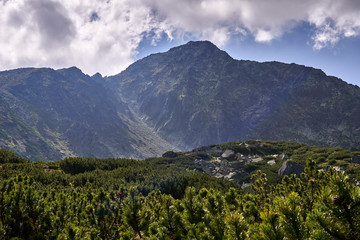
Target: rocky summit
193,95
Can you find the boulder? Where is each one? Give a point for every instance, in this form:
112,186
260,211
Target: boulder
271,162
170,154
228,154
283,156
289,168
337,168
246,186
256,159
46,168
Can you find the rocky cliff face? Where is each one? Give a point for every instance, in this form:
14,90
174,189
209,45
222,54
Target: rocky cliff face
48,115
196,94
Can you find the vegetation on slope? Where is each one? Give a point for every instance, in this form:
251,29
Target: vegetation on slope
170,176
319,205
172,198
281,151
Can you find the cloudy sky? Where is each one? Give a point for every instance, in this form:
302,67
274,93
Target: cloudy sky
107,35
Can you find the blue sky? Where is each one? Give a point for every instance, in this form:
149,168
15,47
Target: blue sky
107,35
341,60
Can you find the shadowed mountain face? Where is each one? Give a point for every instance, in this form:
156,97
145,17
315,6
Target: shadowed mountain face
190,96
48,115
196,94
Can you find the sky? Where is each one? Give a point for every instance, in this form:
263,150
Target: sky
106,36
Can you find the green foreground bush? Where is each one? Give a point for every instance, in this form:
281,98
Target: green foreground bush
319,205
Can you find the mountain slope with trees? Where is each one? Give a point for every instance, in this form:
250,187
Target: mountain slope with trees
170,198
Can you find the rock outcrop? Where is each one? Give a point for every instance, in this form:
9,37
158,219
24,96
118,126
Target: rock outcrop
228,166
170,154
224,169
288,168
228,154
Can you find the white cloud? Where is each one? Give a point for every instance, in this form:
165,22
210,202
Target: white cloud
325,37
103,35
62,33
263,36
218,36
265,19
334,20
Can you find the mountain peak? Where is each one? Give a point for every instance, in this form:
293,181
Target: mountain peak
72,69
97,77
196,45
205,43
71,72
196,94
199,49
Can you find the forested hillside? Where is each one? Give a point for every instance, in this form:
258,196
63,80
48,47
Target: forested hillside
173,198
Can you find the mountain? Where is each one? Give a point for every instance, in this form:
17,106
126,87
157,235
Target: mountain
196,94
193,95
48,115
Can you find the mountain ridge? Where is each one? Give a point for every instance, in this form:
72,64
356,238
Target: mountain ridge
66,113
160,83
190,96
